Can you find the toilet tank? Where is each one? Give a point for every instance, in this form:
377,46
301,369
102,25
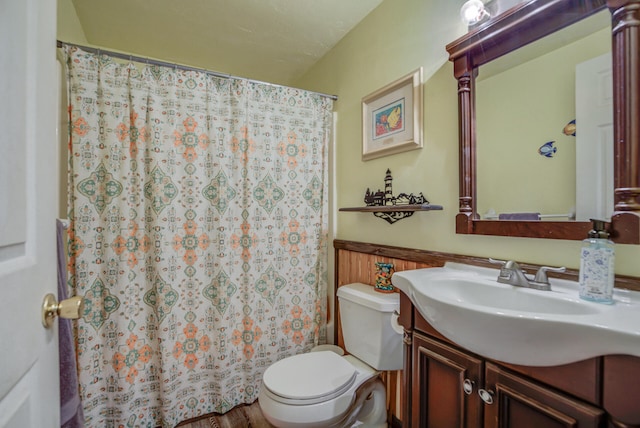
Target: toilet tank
366,318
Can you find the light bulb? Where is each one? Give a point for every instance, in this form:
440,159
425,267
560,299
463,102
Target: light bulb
472,12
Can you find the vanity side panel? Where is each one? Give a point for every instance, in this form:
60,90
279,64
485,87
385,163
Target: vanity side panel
621,389
406,383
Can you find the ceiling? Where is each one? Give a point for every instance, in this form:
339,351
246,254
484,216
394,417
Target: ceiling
269,40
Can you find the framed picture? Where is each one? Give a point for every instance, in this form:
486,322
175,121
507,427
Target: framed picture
392,118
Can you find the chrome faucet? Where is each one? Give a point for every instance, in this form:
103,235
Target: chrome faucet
511,273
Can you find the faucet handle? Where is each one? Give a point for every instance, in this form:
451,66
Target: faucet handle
512,264
541,275
507,269
506,264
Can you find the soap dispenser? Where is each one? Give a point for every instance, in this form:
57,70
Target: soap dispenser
597,260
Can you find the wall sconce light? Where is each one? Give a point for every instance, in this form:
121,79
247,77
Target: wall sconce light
473,12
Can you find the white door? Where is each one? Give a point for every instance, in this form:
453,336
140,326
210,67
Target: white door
29,394
594,139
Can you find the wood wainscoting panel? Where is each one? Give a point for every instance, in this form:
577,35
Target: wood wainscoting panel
356,263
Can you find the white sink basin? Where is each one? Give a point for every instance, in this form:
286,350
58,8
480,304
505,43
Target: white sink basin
521,325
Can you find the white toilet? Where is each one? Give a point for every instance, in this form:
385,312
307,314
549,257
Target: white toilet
324,389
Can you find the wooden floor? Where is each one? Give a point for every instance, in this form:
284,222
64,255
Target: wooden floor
245,416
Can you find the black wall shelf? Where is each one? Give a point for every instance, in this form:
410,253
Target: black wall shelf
393,213
394,208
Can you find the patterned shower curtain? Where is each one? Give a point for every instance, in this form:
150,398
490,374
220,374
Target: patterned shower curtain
198,238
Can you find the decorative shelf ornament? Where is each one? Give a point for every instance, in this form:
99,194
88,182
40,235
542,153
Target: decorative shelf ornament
385,205
384,271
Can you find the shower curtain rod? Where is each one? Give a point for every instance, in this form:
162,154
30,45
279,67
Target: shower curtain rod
181,67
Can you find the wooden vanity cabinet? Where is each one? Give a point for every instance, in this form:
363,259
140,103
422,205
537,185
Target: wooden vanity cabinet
448,383
445,386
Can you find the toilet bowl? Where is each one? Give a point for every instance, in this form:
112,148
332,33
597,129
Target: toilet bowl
324,389
315,390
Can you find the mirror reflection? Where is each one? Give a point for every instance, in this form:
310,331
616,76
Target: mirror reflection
530,165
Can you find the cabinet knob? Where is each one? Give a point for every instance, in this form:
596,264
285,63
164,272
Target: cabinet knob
486,396
467,386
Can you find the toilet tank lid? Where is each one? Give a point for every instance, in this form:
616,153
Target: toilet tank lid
366,295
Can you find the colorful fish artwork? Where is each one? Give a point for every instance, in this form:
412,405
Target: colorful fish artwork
547,149
389,119
570,128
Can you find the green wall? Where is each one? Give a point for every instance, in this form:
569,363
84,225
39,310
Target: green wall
395,39
69,27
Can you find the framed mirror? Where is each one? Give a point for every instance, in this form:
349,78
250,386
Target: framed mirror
483,53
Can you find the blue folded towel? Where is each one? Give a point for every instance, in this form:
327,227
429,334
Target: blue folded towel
519,216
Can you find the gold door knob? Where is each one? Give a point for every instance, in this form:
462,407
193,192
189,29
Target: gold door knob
70,308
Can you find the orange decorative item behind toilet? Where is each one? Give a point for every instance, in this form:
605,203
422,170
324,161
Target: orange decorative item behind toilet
383,277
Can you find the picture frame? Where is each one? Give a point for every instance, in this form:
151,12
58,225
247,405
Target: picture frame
392,118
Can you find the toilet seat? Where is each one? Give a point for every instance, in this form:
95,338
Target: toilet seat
309,378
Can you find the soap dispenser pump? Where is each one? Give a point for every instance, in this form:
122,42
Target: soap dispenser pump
597,260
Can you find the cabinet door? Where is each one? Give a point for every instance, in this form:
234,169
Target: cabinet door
438,397
520,403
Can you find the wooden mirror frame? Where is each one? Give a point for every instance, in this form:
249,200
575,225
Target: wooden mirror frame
515,28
